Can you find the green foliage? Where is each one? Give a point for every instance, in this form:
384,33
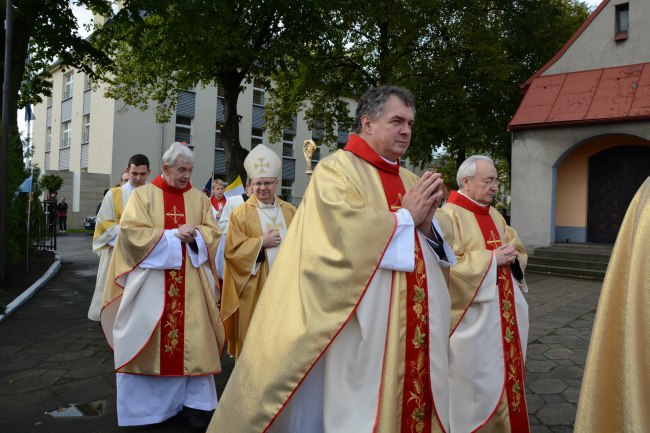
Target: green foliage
16,204
162,48
46,31
463,61
51,182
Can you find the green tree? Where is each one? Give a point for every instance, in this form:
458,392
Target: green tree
162,48
462,60
43,31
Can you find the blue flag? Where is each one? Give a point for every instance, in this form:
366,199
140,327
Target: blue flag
29,114
26,186
207,189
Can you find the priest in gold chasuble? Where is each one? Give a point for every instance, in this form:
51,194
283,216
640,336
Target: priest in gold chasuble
350,333
108,222
489,315
616,385
255,233
160,312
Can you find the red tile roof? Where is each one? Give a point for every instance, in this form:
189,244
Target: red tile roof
600,95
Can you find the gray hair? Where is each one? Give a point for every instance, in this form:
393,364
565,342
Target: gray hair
468,167
372,103
177,150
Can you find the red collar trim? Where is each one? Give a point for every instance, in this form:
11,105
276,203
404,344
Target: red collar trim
462,201
160,183
362,149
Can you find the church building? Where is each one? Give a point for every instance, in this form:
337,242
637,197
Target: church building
581,135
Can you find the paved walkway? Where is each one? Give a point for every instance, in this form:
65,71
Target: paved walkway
52,356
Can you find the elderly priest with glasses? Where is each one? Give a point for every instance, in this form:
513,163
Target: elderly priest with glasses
254,237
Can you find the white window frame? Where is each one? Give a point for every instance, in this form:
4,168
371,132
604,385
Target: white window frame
184,126
288,148
66,134
257,137
85,133
259,94
68,84
48,139
88,85
286,188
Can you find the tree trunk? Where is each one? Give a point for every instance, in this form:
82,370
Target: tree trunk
235,153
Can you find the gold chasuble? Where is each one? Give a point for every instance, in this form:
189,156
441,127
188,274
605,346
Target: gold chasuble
489,322
163,322
615,389
330,321
118,208
241,288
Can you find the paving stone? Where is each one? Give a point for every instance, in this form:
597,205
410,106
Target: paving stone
572,394
540,366
553,398
72,356
562,429
540,429
547,386
559,353
28,385
568,372
557,414
566,331
536,348
580,356
552,339
534,403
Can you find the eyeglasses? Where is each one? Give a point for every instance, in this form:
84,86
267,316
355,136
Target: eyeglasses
489,181
261,184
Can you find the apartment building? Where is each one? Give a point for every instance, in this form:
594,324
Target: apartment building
89,137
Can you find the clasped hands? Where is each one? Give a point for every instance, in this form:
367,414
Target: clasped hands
505,254
186,233
271,239
423,199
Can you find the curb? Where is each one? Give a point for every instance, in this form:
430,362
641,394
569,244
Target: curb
24,297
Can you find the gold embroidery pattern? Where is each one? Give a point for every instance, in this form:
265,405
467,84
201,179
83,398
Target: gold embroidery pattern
173,313
175,215
511,338
418,368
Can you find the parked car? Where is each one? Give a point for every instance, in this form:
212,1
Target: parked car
89,222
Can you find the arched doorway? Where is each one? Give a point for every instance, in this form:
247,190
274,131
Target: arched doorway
614,176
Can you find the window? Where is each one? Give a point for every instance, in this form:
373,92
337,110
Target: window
184,130
220,92
258,93
622,21
49,101
87,83
68,79
286,190
218,139
287,145
85,134
257,137
66,131
48,139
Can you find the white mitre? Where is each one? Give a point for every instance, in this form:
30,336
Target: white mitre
262,162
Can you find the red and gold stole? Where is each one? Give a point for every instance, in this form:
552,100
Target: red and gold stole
417,403
172,324
513,359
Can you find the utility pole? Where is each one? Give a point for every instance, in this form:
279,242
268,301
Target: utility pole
4,145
